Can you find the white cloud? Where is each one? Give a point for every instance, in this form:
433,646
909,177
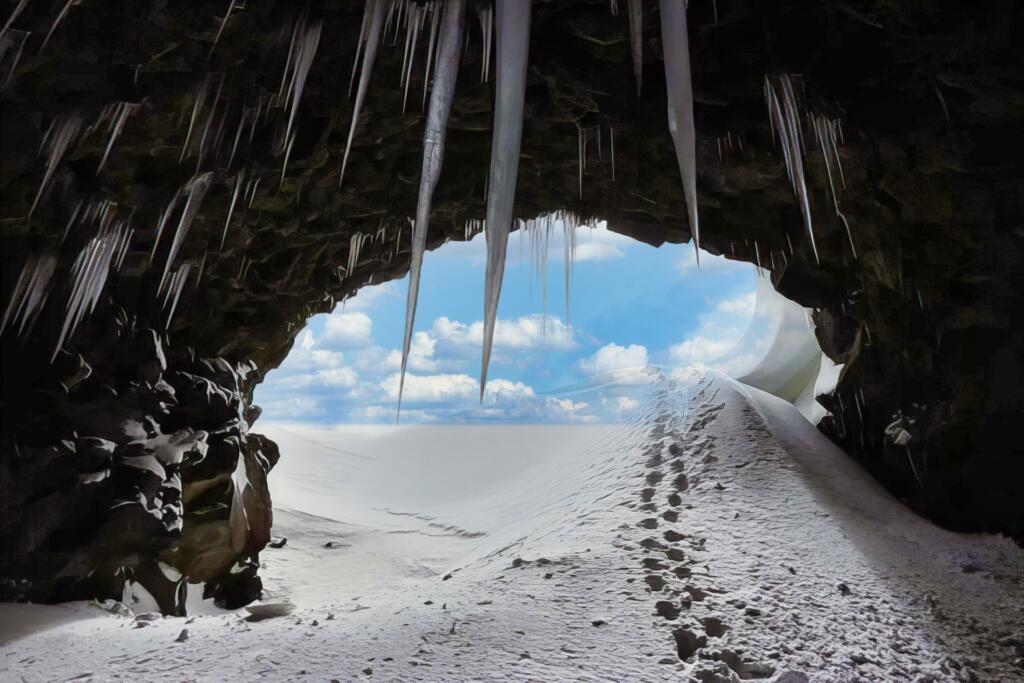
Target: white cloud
699,349
740,305
334,378
348,329
613,357
387,413
291,407
567,409
597,252
375,359
367,297
526,332
502,389
431,388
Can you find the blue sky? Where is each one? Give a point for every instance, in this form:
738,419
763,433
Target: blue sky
631,305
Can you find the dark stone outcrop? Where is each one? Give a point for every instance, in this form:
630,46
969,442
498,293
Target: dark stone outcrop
129,455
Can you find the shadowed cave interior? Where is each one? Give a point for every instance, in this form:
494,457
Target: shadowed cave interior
172,214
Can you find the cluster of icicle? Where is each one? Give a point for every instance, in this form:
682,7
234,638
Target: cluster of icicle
509,22
505,27
788,131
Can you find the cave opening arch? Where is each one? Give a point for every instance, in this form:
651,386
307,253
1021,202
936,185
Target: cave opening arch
924,331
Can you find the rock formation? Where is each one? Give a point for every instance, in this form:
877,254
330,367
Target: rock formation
171,216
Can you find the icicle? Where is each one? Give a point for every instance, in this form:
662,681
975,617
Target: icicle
164,216
56,23
196,192
209,121
676,43
416,23
825,131
14,15
306,51
367,11
785,120
636,41
65,132
30,292
612,142
90,275
435,21
433,156
223,23
369,55
231,208
123,112
252,197
16,60
513,42
579,157
201,94
175,288
486,16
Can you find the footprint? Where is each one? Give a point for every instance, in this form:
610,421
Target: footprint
666,609
670,515
714,627
649,523
655,582
688,642
674,500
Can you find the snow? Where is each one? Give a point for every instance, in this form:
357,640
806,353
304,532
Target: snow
718,524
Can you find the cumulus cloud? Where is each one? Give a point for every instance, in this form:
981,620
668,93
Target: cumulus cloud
431,388
612,357
368,297
375,359
295,407
740,305
348,329
526,332
597,252
700,349
334,378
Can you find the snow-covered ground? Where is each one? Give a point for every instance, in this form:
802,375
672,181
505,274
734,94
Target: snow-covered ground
717,535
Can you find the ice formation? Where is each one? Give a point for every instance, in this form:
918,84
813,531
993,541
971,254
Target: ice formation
513,43
368,43
433,155
786,126
636,41
676,44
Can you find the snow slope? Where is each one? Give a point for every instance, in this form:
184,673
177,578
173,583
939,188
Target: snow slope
716,536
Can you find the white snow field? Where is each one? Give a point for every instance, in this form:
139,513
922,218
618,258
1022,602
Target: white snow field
717,536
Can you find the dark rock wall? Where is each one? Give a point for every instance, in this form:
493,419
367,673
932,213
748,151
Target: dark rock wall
129,455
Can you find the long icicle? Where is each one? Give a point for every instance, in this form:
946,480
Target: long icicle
513,46
636,41
369,55
434,23
14,15
433,156
676,44
197,191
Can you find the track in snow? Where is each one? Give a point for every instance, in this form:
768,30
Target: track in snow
718,535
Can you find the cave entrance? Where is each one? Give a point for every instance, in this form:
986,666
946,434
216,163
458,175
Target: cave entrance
363,500
567,341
